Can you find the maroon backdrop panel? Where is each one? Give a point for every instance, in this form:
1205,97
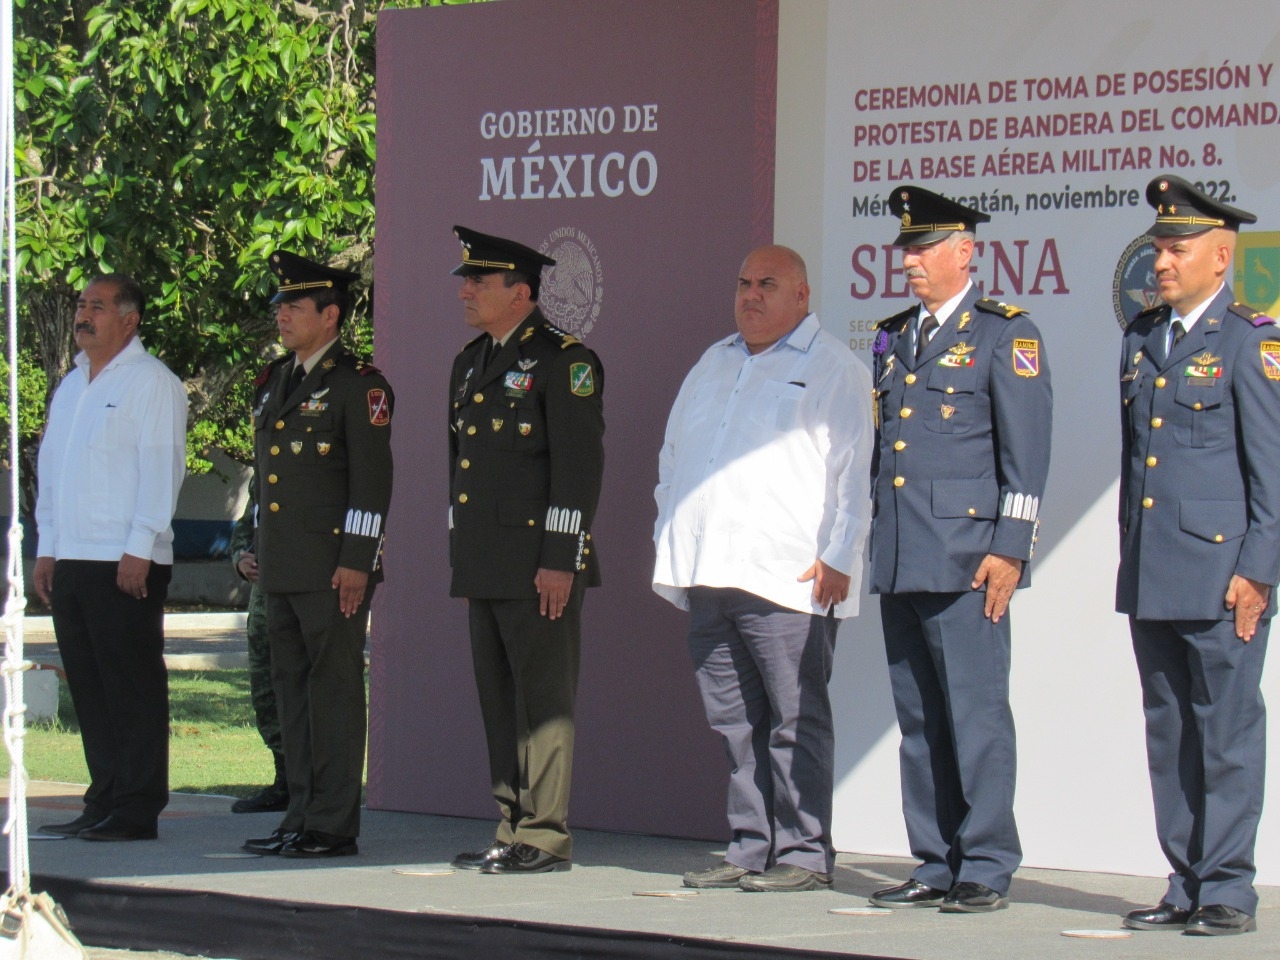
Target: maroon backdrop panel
633,142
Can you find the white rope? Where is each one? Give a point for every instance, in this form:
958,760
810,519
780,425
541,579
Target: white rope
15,601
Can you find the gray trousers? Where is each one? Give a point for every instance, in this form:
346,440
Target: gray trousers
949,668
1207,753
763,671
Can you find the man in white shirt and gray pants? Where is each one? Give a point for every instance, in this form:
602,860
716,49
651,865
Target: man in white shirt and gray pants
763,507
111,463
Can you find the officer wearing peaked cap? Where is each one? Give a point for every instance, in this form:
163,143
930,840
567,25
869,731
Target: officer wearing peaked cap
525,464
1200,555
322,455
964,410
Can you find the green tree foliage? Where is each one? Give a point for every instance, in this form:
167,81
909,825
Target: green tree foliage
182,141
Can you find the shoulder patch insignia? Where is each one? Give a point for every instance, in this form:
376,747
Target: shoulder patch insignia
1270,358
379,408
1026,358
1006,310
581,380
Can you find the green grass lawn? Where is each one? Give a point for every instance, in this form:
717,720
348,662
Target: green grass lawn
213,745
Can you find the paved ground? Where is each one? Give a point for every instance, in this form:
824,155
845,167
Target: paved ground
193,641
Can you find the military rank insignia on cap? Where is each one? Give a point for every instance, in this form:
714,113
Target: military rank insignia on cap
927,217
299,276
1182,210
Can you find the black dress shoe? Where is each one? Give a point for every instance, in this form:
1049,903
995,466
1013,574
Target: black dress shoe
969,897
522,858
474,861
314,845
82,822
270,799
1163,916
113,828
913,893
269,846
1219,920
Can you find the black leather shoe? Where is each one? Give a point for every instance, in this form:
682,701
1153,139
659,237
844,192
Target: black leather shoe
1219,920
522,858
474,861
1163,916
113,828
969,897
913,893
274,798
312,845
785,878
72,829
269,846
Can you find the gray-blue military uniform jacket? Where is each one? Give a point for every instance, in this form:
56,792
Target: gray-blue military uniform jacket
1200,481
963,446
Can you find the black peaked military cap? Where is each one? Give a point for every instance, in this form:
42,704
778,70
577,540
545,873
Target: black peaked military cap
928,217
482,253
1182,210
300,277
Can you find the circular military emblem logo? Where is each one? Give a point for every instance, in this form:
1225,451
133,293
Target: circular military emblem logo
1133,289
572,290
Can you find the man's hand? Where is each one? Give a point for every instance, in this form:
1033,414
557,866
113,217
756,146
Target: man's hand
43,577
830,586
1001,575
350,585
131,576
248,566
553,591
1248,598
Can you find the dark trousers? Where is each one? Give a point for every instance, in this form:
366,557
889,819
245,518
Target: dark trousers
1206,751
949,669
317,668
526,669
763,671
112,648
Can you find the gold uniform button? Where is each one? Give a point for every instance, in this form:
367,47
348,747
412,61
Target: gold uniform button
1156,423
275,508
466,464
1217,538
272,478
973,512
905,412
1198,407
279,424
1152,461
478,398
275,451
899,481
1148,502
471,431
1160,382
586,551
900,445
533,523
462,498
951,389
910,378
336,530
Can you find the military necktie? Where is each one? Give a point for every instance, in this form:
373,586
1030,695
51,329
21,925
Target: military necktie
927,326
1176,332
299,374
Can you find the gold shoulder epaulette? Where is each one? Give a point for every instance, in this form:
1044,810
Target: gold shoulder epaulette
1006,310
1246,312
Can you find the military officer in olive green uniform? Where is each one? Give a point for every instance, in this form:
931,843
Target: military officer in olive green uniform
322,443
525,465
274,796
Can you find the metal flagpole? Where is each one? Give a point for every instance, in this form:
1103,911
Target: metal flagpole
31,925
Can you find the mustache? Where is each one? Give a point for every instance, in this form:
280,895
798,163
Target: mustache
85,327
914,272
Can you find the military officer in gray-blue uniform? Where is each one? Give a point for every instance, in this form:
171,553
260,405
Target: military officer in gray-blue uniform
526,459
964,413
322,455
1199,555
